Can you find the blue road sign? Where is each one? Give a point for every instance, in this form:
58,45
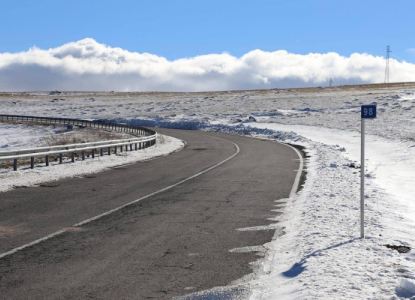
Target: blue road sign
368,111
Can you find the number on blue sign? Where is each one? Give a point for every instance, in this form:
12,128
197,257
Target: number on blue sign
369,111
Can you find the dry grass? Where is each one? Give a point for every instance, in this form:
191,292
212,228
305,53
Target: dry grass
86,135
64,137
161,139
28,123
136,95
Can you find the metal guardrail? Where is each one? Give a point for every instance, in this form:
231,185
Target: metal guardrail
80,146
148,140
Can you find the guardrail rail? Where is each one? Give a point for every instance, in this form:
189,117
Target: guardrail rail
149,139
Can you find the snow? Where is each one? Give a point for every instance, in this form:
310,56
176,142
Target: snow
392,163
317,252
408,286
331,261
19,136
26,177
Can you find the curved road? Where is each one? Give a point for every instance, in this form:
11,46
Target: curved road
172,243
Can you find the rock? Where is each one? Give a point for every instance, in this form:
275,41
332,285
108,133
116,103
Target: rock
399,248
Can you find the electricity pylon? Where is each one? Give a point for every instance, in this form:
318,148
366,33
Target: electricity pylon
388,50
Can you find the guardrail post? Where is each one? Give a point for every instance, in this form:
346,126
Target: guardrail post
102,151
138,145
32,162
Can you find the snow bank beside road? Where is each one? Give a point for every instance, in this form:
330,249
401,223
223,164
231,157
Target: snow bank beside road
324,259
321,255
390,162
27,177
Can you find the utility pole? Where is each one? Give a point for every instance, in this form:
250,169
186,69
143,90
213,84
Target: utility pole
331,82
388,50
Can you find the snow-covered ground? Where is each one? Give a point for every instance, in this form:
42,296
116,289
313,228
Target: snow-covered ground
26,177
14,136
21,136
319,255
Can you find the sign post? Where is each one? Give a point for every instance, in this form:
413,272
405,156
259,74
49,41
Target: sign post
367,112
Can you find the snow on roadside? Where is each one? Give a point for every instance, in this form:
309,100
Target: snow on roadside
18,136
27,177
320,255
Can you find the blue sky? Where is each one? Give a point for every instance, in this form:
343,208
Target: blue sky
178,29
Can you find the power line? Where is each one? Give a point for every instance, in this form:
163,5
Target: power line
388,50
398,57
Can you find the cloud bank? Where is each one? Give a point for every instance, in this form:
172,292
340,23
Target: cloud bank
87,65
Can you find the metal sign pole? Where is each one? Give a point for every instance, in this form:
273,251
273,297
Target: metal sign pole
367,112
362,181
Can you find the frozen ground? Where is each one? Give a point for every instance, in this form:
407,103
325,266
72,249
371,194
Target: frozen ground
335,107
21,136
26,177
14,136
320,254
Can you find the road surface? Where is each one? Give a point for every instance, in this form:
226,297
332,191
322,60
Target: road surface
173,243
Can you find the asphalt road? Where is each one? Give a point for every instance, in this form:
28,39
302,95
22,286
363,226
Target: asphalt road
173,243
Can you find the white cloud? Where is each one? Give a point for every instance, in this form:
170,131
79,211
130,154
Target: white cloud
411,50
88,65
